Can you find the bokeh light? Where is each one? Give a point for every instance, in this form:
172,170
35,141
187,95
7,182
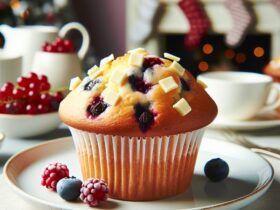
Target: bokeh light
207,49
240,58
258,52
15,4
229,53
203,66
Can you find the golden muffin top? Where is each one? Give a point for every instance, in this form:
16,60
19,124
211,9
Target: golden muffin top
137,94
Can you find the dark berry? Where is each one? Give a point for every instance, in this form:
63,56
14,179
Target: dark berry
52,174
19,106
216,169
91,84
94,191
138,84
97,107
9,108
185,85
144,116
149,62
69,188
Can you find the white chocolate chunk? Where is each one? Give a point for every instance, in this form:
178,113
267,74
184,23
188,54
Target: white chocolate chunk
118,77
92,70
75,82
136,59
202,83
182,106
168,84
137,50
171,57
107,59
111,96
178,68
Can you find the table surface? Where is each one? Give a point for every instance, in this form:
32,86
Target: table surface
268,137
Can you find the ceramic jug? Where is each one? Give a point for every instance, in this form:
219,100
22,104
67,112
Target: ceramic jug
61,67
26,40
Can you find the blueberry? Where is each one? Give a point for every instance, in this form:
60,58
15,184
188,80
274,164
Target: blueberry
144,116
69,188
97,107
138,84
91,84
216,169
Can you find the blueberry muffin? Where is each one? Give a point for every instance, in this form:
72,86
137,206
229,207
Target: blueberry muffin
137,122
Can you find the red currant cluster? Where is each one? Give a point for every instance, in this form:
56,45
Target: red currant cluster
59,46
31,95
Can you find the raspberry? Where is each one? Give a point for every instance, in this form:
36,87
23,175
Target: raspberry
52,174
94,191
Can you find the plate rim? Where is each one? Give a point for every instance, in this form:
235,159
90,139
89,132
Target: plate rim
24,194
245,125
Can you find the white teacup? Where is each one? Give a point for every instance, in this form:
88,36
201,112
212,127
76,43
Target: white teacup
240,95
10,66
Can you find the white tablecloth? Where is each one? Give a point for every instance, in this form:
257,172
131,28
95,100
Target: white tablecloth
271,137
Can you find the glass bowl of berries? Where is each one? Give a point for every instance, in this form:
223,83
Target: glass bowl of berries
29,108
59,61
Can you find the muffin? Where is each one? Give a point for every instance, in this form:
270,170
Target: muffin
137,122
273,70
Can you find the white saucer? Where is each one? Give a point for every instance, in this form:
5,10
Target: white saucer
256,123
247,181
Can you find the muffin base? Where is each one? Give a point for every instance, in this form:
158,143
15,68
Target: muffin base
139,168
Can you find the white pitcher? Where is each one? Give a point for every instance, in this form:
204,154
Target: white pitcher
26,40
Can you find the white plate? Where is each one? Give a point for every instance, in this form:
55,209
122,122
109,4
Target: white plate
250,176
259,122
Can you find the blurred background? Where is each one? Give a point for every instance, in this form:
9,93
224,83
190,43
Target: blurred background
208,35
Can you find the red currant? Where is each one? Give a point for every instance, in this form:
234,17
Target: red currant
33,86
60,49
46,44
50,48
7,87
19,107
45,99
19,93
43,108
31,109
68,44
45,86
58,41
23,82
2,108
3,96
32,77
58,96
43,78
9,109
33,96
